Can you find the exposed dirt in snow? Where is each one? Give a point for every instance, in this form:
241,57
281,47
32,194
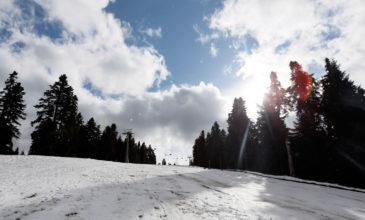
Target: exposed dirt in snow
34,187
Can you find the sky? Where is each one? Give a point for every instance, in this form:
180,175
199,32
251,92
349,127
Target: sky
168,68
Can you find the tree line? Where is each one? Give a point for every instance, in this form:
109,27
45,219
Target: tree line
60,130
325,143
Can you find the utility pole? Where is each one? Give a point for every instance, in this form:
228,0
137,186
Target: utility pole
129,133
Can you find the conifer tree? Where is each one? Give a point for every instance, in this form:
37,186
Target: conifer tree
72,136
238,123
343,108
11,110
135,150
215,146
307,138
143,153
120,149
151,155
108,143
57,109
251,152
272,131
90,135
199,150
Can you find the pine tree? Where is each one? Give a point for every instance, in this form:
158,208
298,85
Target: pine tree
90,135
72,134
343,108
238,123
43,139
120,145
307,138
215,146
57,109
108,143
143,153
163,161
151,157
272,130
11,110
136,152
199,150
251,152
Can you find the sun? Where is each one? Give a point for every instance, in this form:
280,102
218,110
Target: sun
252,92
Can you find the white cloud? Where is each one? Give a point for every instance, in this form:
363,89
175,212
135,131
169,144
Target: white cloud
91,48
153,32
169,119
213,50
204,38
306,31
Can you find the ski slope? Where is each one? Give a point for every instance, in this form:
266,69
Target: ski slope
35,187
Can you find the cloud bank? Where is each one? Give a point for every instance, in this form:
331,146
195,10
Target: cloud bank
112,78
267,35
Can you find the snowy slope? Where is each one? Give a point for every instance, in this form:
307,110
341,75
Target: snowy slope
34,187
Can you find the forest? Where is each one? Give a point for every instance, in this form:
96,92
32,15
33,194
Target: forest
60,130
325,143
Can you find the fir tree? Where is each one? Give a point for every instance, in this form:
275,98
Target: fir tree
199,150
251,152
57,109
108,143
307,138
272,131
143,153
238,123
90,135
343,108
121,148
215,146
11,110
151,155
71,136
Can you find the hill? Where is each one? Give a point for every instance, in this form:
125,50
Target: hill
36,187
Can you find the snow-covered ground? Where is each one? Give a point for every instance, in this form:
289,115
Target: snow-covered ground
34,187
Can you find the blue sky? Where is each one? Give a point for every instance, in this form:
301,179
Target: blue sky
187,60
168,69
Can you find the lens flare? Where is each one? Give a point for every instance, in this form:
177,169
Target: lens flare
243,144
303,82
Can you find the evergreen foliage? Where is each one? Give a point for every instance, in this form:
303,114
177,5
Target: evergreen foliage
343,108
272,131
56,120
326,140
60,131
238,122
199,151
11,111
307,138
90,136
215,148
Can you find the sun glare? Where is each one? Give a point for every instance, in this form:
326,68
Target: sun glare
253,93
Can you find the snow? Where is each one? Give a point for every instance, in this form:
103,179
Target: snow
35,187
